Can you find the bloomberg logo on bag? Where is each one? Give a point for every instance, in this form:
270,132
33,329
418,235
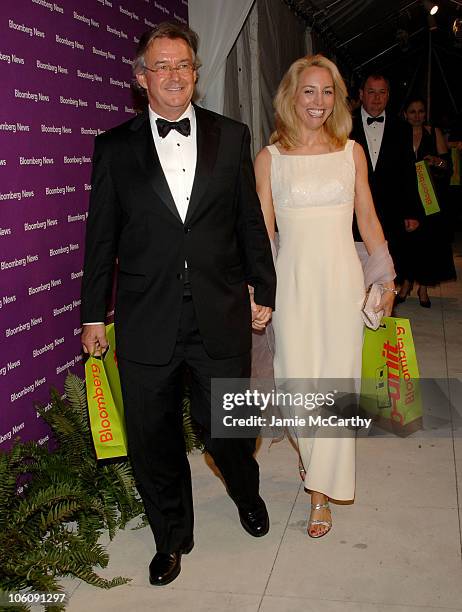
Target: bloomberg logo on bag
105,433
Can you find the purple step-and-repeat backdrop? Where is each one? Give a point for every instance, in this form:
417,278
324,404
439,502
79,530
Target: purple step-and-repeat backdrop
65,69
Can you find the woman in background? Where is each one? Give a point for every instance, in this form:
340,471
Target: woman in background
310,180
427,254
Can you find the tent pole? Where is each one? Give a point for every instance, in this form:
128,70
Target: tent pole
429,74
443,76
411,84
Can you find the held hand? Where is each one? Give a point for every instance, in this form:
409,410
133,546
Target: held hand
258,326
94,339
261,317
411,224
432,160
387,299
386,303
260,314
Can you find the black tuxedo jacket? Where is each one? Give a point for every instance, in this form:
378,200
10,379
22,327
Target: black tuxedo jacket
393,183
133,218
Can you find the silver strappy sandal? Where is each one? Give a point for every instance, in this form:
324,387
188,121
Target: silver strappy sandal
312,522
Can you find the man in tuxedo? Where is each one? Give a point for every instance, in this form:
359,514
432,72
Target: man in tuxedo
387,142
173,199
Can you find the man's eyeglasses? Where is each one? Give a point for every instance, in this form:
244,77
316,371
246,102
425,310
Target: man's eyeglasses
167,69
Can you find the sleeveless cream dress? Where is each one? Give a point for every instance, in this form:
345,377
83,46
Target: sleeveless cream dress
320,290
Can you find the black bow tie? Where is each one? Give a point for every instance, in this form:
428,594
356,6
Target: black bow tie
164,127
371,120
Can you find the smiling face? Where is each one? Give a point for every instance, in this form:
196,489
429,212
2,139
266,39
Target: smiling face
315,97
374,96
415,114
169,95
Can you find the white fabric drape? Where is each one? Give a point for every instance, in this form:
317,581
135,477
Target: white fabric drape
257,62
284,38
218,24
242,79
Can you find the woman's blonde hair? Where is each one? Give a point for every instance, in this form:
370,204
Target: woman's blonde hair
337,126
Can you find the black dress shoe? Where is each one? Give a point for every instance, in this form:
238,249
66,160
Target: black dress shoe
164,568
255,521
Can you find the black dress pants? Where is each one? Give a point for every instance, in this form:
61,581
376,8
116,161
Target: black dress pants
152,399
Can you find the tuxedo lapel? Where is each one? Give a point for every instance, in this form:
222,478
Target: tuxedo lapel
363,141
208,138
142,142
384,145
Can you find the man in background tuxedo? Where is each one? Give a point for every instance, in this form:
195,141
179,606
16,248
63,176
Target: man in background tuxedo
173,199
387,142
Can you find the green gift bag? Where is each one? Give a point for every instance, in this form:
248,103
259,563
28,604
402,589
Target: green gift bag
426,188
455,157
390,391
105,406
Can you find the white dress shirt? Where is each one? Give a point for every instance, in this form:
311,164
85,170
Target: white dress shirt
177,156
374,135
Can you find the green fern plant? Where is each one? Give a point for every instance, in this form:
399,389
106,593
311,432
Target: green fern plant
51,529
190,428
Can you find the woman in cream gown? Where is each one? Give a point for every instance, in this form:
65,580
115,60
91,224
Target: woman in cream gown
310,180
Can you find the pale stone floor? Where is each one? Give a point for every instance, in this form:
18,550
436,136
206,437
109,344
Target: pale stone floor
396,549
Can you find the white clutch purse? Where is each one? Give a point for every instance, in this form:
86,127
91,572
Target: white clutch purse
373,296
